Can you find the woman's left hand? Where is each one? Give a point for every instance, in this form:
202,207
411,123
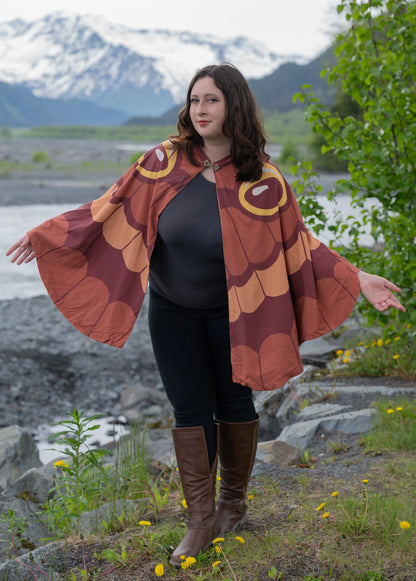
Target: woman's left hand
378,291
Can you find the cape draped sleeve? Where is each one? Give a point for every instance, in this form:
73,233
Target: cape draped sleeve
284,286
94,260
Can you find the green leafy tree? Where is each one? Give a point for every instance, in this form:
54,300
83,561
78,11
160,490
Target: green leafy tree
376,69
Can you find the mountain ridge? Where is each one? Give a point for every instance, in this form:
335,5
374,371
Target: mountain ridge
70,69
141,72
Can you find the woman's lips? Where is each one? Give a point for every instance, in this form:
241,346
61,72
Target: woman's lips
203,123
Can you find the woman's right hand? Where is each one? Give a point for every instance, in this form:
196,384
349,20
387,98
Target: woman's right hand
23,251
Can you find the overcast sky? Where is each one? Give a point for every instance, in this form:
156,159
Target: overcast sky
304,27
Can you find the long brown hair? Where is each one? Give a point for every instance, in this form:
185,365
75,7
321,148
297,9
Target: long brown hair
244,123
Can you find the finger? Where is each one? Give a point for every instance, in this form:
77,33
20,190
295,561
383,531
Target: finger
16,255
389,303
30,257
24,255
14,247
392,286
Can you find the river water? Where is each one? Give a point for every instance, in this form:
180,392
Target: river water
23,281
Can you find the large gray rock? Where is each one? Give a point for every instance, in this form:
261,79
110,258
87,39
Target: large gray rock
25,498
276,453
18,453
146,405
356,422
26,513
33,485
298,396
268,404
301,433
92,521
318,410
37,564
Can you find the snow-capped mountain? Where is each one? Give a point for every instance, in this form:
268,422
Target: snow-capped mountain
141,72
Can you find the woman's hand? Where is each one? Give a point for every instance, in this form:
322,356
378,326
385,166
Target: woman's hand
378,291
23,251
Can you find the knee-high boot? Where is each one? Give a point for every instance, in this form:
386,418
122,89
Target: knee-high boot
237,452
198,483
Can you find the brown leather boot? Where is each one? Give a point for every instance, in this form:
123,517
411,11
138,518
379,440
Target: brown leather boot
237,452
198,483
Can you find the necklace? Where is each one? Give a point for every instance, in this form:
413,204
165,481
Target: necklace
208,163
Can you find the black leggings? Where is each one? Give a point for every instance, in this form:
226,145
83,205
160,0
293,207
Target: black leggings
192,351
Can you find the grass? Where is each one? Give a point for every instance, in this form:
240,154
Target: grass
86,167
356,535
280,127
377,356
304,525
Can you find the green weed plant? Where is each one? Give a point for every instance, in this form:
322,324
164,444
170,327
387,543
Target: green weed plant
391,353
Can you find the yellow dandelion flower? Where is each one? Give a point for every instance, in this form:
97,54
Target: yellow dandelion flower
144,523
346,360
390,411
387,341
250,497
373,344
347,353
218,477
325,515
182,557
408,325
218,540
189,561
360,344
217,549
159,570
183,503
367,347
215,564
321,506
240,540
397,338
364,481
379,342
404,524
396,356
399,409
335,493
61,464
339,352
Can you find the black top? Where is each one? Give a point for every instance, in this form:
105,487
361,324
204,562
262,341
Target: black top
187,264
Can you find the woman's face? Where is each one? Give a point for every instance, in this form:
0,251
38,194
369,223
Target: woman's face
208,110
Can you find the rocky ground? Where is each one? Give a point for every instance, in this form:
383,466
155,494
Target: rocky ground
47,367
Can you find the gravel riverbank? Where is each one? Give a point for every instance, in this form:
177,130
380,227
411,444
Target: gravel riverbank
47,367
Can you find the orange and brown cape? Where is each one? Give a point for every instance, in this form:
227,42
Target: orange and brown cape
284,286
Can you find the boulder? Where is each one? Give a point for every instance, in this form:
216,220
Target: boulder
37,564
276,453
300,434
145,404
18,453
33,485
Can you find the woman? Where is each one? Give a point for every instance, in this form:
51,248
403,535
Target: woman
236,284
